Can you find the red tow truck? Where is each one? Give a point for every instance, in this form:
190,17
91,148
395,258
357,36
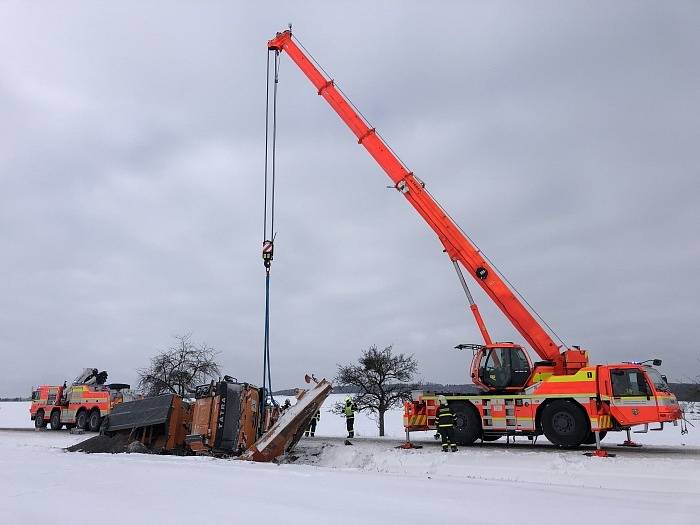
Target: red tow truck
82,404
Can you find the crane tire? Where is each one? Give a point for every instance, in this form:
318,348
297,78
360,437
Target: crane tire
55,420
467,422
94,421
565,423
81,420
39,419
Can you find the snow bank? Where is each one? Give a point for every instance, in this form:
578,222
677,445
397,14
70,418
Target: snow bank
367,483
15,414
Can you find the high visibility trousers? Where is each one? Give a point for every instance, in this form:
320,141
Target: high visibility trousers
448,437
312,428
350,423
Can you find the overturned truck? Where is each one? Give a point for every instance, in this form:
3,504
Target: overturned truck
227,419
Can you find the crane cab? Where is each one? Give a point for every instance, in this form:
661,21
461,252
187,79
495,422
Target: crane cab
501,367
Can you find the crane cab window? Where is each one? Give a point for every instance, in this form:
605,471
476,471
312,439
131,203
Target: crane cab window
629,382
505,367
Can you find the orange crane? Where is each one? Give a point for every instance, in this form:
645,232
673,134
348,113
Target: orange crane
562,396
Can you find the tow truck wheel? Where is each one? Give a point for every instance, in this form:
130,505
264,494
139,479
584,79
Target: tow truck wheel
590,438
56,420
94,421
39,419
81,420
564,423
467,423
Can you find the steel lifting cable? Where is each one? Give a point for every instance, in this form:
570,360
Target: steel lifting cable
269,205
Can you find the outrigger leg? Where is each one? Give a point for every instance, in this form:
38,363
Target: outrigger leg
599,452
408,445
628,442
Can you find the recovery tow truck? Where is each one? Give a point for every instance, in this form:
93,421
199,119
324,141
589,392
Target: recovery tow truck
82,404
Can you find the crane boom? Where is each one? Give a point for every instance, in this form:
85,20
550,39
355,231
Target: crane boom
457,245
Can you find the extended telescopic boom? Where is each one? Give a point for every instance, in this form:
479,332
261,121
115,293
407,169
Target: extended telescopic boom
457,245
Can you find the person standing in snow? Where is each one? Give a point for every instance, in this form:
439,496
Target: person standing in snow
349,412
312,426
445,423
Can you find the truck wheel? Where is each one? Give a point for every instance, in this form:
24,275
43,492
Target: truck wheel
491,438
467,423
94,421
56,420
564,423
590,438
81,420
39,419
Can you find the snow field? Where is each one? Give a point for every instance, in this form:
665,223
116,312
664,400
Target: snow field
368,482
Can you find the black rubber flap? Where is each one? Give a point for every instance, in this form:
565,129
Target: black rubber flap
140,413
229,420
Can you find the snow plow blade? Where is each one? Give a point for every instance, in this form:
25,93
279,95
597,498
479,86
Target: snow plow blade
289,428
140,413
159,423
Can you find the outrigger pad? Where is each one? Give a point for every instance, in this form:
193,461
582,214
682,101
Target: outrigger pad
140,413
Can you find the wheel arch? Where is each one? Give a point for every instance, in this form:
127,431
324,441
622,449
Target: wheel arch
465,402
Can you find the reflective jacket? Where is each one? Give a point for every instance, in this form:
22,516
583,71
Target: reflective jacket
349,410
444,417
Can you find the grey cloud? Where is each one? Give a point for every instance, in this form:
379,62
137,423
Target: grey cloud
562,137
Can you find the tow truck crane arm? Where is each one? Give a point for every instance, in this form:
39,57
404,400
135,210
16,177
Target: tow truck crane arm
457,246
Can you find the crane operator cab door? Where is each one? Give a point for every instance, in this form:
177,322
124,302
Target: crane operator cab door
503,367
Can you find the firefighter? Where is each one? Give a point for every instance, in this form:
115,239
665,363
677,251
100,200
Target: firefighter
312,425
445,423
286,404
349,412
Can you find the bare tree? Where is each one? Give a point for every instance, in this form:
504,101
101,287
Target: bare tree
382,378
180,368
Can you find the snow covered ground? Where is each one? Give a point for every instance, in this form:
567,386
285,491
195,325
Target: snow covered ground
369,482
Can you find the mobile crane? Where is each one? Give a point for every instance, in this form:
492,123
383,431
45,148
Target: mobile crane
562,396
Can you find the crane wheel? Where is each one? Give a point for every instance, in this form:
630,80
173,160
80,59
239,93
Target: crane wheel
94,421
39,419
467,423
565,423
56,420
81,420
590,438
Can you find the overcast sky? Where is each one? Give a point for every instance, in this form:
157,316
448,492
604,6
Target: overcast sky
564,138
